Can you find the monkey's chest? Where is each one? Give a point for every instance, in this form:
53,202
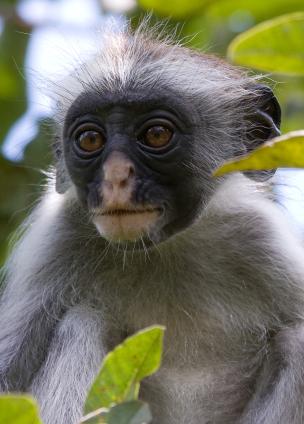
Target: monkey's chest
209,364
208,368
200,395
196,331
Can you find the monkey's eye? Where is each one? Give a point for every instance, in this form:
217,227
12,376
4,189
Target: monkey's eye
90,141
157,136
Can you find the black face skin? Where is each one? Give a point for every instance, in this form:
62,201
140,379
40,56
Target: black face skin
161,177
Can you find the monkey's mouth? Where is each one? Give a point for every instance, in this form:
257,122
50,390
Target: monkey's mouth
128,211
125,223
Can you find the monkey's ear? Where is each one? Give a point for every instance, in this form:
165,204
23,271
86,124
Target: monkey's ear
63,181
264,125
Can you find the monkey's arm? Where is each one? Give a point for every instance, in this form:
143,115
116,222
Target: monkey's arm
25,331
279,391
73,361
269,258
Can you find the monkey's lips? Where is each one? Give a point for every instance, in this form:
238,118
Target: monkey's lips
125,223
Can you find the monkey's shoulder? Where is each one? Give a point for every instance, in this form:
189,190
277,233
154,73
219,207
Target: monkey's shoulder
254,229
244,217
252,241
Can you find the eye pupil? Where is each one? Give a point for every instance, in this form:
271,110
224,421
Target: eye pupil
90,141
158,136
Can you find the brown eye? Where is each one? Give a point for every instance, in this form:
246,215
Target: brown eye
90,141
157,136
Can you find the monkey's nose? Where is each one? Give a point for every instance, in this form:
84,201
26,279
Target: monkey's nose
118,171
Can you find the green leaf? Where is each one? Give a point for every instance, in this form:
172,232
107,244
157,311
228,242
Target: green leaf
176,9
256,11
133,412
18,410
276,45
123,368
286,151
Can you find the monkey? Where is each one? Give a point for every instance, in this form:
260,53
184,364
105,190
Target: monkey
133,230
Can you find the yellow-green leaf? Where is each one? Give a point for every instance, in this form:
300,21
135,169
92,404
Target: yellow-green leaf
276,45
177,9
16,409
123,369
286,151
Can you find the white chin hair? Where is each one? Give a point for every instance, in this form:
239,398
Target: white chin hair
125,227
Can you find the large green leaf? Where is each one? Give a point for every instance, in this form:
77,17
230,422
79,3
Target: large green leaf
123,368
276,45
18,410
286,151
177,9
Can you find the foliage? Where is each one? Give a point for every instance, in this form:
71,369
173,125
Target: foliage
176,9
275,45
272,45
18,410
132,412
113,398
119,378
286,151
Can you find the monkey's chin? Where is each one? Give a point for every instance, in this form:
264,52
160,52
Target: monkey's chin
133,226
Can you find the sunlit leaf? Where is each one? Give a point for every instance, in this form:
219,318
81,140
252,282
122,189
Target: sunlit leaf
123,368
18,410
176,9
286,151
132,412
276,45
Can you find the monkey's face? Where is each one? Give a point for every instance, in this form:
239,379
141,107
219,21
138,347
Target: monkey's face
152,123
128,157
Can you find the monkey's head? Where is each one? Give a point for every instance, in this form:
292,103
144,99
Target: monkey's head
145,124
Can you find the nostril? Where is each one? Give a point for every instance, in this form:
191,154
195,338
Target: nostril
129,174
123,183
131,171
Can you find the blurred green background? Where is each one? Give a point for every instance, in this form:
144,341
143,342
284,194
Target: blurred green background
43,39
